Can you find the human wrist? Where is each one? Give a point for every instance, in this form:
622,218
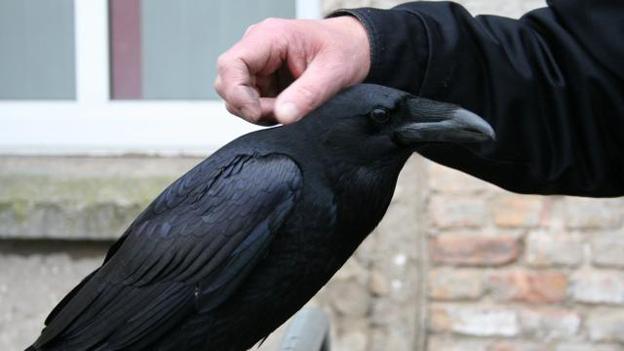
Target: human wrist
356,44
399,47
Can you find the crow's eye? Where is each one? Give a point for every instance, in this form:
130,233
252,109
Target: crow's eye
380,115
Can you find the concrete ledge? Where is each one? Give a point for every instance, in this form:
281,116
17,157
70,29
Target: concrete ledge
79,198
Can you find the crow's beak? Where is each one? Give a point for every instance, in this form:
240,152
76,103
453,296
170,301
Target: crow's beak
432,121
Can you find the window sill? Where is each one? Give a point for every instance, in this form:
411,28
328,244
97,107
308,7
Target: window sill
80,198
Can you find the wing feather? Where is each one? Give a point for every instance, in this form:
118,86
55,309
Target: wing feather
188,250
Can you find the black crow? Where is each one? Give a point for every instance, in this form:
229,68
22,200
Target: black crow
238,244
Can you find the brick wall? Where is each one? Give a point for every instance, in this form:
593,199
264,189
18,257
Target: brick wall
514,272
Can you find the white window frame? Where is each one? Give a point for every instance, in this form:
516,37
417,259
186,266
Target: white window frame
94,124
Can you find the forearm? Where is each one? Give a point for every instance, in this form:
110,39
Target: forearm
557,110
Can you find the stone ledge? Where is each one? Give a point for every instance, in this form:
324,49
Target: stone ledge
78,198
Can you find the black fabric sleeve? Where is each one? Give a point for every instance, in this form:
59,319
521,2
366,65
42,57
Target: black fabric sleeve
551,84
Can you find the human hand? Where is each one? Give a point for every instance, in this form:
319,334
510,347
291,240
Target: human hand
283,69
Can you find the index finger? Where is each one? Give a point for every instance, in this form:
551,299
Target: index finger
236,71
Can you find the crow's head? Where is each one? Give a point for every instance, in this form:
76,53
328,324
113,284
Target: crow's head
370,122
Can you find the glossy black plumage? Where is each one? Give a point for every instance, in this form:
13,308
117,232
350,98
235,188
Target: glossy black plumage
551,82
235,246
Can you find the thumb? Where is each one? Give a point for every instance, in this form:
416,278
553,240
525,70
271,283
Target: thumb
319,82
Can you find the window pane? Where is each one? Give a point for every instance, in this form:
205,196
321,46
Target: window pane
180,42
37,49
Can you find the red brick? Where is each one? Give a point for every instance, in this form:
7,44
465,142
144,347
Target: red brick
458,211
517,211
548,323
514,346
585,346
441,343
447,180
606,325
474,320
595,287
545,249
454,284
585,213
473,250
608,249
528,286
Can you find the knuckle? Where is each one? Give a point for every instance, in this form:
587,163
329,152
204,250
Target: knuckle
272,23
222,60
218,85
251,29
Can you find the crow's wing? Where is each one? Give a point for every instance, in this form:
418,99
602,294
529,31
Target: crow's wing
187,251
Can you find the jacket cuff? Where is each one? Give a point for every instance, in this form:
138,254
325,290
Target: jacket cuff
399,46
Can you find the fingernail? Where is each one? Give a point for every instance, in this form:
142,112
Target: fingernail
287,111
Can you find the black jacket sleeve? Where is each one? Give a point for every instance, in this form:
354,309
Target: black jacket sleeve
551,84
